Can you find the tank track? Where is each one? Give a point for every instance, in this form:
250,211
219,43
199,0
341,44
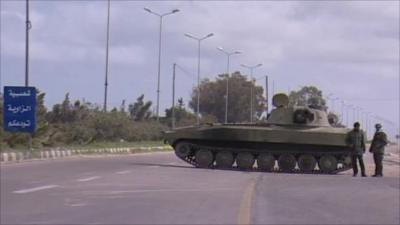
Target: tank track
191,160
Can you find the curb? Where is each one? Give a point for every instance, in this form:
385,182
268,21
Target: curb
55,154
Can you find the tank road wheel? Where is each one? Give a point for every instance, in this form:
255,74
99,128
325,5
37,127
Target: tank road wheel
287,162
327,163
204,158
266,162
307,163
182,150
245,160
224,159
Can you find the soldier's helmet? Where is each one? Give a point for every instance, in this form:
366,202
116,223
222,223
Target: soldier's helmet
378,126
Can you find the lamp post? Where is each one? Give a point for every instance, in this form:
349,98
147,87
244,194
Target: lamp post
354,113
198,69
333,99
266,92
333,103
367,122
28,27
342,110
228,55
159,53
107,45
251,68
173,96
358,109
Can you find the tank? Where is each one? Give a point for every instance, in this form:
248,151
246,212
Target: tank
292,139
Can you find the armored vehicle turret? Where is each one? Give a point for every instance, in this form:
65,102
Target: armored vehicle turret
293,139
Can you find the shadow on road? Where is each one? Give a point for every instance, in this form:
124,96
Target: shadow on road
234,169
162,165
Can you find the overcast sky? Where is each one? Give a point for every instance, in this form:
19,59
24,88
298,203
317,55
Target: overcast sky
349,49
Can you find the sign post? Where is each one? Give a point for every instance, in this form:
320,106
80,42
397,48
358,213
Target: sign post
20,109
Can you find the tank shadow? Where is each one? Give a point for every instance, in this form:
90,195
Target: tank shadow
161,165
255,170
273,171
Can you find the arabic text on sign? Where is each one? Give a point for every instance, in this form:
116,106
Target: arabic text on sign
22,124
19,94
19,109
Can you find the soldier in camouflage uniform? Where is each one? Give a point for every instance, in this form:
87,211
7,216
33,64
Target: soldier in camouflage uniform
356,142
378,149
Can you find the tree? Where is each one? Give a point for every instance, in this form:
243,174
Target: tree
182,116
140,110
311,96
308,96
212,98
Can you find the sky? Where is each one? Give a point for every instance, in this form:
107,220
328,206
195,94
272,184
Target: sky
349,49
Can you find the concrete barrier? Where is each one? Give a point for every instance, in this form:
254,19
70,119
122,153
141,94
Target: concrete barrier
20,156
13,156
28,155
4,157
53,153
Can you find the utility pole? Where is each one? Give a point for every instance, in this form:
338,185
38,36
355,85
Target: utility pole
173,96
273,88
342,111
266,94
347,116
107,46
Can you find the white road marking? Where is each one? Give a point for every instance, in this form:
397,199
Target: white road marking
23,191
77,205
88,179
123,172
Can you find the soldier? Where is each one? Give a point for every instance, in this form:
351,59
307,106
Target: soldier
356,142
378,149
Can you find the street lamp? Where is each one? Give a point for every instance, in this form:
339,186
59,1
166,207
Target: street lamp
367,122
342,110
354,112
198,70
28,27
358,109
333,99
228,55
251,68
107,47
159,53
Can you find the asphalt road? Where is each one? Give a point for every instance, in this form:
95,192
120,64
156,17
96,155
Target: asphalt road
160,189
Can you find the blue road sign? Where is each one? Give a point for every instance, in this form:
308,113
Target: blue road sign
19,109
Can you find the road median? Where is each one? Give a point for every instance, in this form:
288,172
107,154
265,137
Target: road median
10,157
